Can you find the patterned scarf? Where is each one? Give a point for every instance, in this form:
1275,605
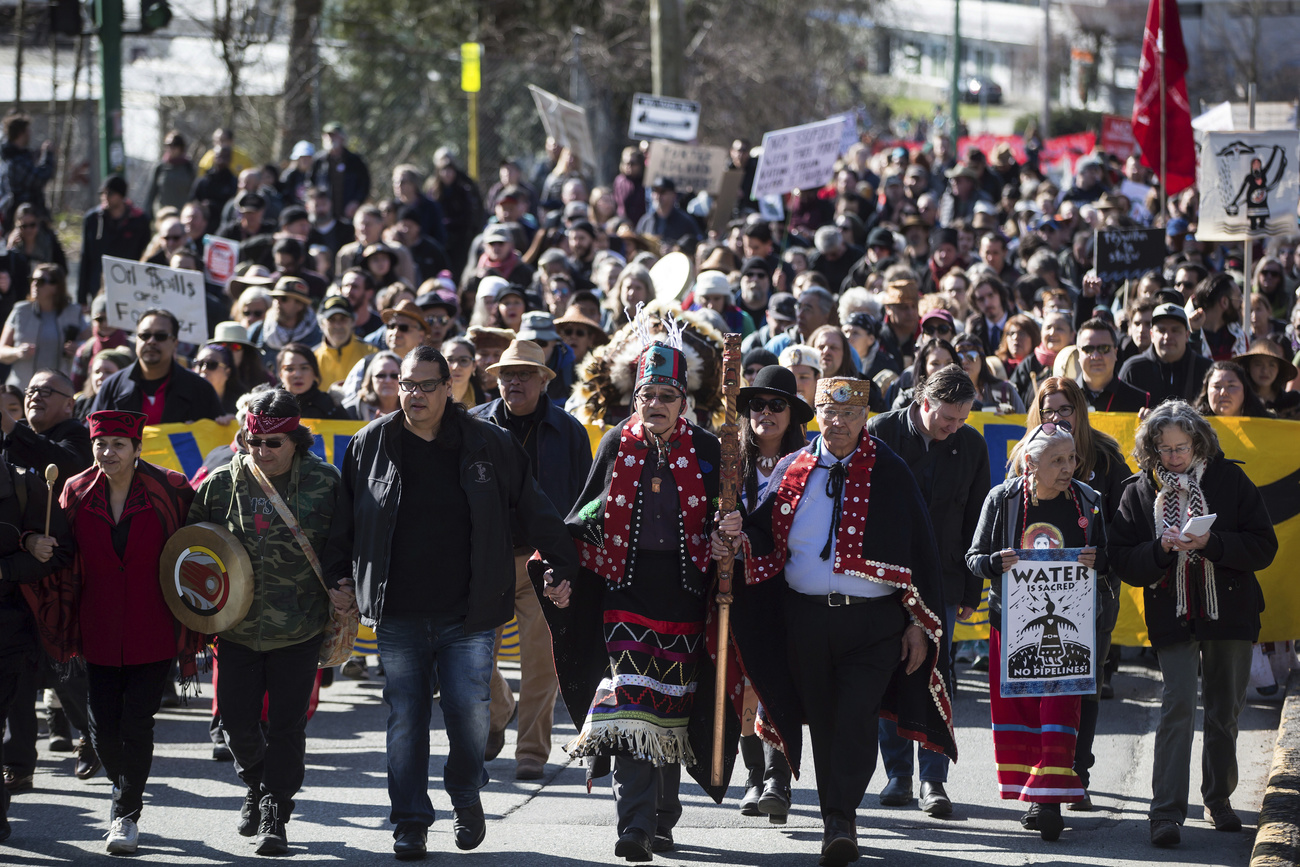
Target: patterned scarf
1180,497
277,336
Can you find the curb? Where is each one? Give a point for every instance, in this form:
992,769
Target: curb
1277,842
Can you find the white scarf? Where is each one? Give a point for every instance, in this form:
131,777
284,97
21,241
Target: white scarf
1180,497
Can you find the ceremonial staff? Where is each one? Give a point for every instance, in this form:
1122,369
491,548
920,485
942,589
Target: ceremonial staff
728,488
51,476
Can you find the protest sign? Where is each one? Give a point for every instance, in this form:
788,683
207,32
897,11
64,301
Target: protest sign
220,256
694,168
1048,611
1248,183
660,117
728,193
566,123
1117,136
798,158
1126,254
133,287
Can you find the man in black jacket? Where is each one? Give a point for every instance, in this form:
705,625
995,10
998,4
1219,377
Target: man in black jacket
950,463
435,591
559,453
115,228
26,556
1098,343
1169,367
155,384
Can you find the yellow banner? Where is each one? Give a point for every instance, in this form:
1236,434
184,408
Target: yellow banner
1266,448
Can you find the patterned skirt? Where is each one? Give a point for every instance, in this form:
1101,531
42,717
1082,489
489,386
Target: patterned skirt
1033,740
654,635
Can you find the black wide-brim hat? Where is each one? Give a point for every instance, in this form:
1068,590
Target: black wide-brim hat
779,381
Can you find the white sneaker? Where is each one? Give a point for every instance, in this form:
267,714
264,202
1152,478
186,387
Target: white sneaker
123,837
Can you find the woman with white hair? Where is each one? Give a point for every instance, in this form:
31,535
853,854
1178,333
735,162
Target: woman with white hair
1202,602
1040,503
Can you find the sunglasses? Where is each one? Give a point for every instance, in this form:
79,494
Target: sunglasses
258,442
437,320
388,376
574,333
1051,427
1099,349
155,336
762,404
400,326
932,330
970,355
45,281
174,237
207,364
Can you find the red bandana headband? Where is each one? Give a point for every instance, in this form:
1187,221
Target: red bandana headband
269,424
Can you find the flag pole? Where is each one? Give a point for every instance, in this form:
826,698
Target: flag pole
1160,71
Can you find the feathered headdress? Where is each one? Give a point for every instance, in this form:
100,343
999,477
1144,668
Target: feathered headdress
662,361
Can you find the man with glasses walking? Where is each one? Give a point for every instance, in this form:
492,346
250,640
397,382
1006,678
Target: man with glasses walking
155,384
435,591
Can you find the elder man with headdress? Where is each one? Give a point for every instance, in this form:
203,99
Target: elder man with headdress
629,636
844,524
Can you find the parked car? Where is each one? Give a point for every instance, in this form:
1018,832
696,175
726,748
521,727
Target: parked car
978,88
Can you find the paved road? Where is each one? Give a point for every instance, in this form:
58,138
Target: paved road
192,802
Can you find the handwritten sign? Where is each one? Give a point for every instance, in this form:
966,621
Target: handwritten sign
693,168
220,256
798,158
1126,254
566,123
1049,601
133,287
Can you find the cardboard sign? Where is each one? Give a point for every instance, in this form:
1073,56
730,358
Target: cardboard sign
133,287
694,168
660,117
220,256
728,193
1049,637
798,158
566,123
1117,136
1126,254
1249,185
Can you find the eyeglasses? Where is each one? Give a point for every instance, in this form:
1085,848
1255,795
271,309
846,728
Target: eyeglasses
830,416
1167,452
970,355
753,275
44,391
935,330
437,320
254,314
154,336
775,404
516,375
1061,412
399,326
258,442
460,361
427,386
575,333
1099,349
387,376
661,397
208,364
42,280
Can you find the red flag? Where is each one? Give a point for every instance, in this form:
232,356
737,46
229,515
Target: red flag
1180,149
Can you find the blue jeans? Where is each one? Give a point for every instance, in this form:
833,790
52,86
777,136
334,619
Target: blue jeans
896,750
419,653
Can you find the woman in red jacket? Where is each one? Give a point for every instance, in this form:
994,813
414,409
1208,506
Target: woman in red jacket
122,511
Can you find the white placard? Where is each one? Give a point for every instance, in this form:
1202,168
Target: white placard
1049,639
1249,185
798,158
220,256
694,167
566,123
771,209
133,287
660,117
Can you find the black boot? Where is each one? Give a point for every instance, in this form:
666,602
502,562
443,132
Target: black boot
60,730
1083,757
775,802
751,751
271,836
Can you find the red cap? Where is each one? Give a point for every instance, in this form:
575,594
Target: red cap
116,423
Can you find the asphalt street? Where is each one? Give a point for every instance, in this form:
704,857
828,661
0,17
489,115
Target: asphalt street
192,802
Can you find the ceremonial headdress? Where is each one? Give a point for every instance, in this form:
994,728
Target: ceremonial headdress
662,360
843,390
116,423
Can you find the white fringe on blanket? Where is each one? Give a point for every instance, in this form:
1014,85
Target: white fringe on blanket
645,741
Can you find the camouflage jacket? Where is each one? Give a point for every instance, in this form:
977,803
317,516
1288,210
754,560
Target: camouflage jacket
289,604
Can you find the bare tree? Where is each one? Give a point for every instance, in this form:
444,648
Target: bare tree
236,26
297,107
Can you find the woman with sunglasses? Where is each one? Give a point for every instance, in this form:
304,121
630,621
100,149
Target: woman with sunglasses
995,395
1034,737
1101,466
1201,602
299,374
771,426
42,332
216,364
378,395
34,240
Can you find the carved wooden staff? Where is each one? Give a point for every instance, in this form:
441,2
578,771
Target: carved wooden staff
728,488
51,476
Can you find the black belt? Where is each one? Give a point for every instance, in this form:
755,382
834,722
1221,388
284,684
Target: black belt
840,600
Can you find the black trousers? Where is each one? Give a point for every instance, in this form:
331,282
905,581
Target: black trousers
14,670
123,702
646,797
20,745
842,660
270,764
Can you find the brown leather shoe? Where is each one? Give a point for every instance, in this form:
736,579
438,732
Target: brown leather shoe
88,763
16,781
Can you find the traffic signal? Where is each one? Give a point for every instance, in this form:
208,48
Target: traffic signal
65,17
154,14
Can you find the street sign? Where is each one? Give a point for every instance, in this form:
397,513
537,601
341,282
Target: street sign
663,117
